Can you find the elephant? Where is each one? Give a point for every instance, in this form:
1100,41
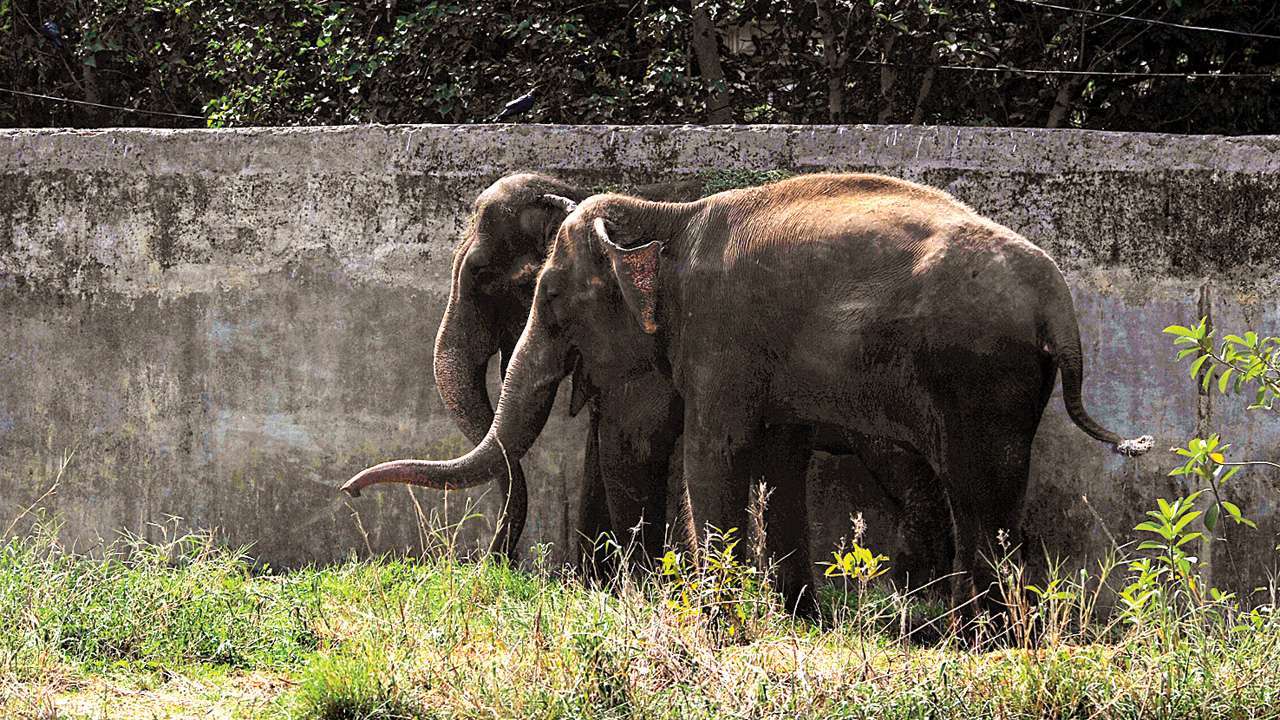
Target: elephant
634,426
846,305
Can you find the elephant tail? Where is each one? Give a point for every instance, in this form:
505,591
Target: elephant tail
1063,341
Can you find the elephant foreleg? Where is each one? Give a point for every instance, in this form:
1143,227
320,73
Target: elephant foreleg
783,459
594,526
638,430
513,496
718,487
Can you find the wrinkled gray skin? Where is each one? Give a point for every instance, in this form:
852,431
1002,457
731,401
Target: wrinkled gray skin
852,305
633,427
628,472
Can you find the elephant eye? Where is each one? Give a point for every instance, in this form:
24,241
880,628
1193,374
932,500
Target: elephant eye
484,274
483,271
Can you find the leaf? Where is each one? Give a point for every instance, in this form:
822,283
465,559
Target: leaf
1199,363
1188,538
1217,457
1182,522
1223,380
1210,518
1178,330
1234,511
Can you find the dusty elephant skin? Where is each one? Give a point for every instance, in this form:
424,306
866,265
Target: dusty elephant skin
846,305
634,426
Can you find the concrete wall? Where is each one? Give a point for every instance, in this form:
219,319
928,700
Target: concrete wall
224,325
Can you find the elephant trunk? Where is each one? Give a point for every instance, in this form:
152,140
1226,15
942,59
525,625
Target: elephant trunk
464,344
528,392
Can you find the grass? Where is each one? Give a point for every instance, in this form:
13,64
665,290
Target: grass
714,181
184,628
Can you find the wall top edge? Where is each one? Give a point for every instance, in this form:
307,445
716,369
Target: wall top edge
492,149
681,127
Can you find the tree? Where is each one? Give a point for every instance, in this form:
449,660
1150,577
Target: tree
1011,63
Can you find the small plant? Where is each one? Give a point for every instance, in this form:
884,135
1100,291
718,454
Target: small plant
1156,583
1207,462
721,588
347,687
1246,363
857,563
1241,363
714,181
1170,522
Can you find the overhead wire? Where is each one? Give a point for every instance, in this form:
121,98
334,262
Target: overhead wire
1150,21
1032,71
98,104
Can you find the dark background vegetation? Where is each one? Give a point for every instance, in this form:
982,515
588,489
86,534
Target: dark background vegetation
309,62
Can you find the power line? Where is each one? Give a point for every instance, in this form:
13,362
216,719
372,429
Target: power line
101,105
1101,73
1150,21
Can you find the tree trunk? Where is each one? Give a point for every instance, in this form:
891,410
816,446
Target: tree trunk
1062,102
707,50
834,60
926,87
888,76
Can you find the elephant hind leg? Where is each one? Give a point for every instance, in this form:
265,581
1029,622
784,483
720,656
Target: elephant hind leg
987,478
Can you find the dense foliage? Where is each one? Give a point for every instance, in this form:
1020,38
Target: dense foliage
255,62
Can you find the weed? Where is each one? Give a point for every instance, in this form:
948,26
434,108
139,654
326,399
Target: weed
348,687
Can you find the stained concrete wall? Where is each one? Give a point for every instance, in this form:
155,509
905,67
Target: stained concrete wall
224,325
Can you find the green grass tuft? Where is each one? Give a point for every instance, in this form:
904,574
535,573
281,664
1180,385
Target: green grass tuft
714,181
347,687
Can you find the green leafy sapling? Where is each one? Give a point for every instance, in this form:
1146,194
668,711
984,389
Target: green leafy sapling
1246,364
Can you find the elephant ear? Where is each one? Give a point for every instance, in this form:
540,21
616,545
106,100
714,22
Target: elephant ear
636,270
